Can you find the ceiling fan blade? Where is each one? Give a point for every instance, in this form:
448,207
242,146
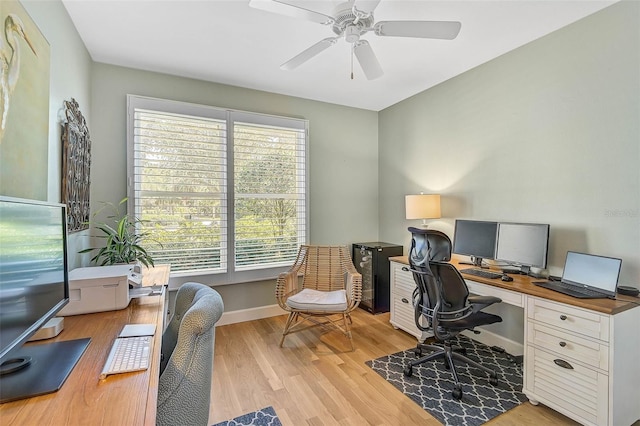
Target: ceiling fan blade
309,53
366,6
446,30
287,8
367,59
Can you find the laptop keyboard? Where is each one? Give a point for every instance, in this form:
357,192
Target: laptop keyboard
582,293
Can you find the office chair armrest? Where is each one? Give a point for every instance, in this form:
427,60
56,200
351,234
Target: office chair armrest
415,271
481,302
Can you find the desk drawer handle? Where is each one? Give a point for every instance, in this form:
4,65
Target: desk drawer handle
404,300
563,344
564,364
563,317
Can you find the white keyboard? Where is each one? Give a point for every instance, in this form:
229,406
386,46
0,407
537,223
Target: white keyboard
128,354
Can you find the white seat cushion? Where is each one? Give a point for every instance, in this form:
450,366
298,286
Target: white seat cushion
314,300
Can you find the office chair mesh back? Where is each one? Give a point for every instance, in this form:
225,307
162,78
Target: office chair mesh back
428,245
184,389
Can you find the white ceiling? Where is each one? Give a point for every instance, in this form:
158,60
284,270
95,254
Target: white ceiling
231,43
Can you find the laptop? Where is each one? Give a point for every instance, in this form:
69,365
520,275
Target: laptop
587,276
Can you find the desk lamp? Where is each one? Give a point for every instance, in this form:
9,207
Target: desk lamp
423,206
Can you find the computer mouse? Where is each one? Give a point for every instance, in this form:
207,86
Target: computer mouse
506,277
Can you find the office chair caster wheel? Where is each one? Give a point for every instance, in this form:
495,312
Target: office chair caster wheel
457,394
408,371
493,381
418,352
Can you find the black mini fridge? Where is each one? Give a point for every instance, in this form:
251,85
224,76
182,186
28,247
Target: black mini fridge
372,261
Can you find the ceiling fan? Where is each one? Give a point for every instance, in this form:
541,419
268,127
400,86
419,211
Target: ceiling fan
351,20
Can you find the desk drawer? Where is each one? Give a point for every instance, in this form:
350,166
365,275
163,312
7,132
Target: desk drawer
569,318
403,281
403,318
403,314
569,346
580,390
507,296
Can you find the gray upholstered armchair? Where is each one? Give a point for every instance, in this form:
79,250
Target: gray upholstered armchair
187,357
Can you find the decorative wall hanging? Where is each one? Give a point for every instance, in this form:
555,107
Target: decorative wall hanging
24,104
76,165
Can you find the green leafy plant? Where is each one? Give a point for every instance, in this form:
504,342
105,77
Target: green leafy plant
122,241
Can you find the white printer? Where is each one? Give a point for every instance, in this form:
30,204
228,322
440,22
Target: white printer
99,289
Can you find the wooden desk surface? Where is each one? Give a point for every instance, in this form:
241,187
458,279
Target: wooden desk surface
84,399
523,284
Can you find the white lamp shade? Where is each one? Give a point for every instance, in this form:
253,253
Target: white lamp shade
423,206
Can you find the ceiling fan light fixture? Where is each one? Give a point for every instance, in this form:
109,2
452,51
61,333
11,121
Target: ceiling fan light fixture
352,34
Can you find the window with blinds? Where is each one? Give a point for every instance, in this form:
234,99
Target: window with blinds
218,191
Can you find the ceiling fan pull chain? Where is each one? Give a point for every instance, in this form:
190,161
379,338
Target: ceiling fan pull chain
353,46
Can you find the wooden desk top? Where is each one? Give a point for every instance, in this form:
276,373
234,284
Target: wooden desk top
84,399
156,275
523,284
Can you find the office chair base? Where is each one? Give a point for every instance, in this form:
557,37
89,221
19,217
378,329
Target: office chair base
449,353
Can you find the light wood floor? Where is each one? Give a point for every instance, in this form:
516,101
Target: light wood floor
316,380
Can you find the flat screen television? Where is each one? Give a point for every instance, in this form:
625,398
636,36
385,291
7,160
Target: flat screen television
476,239
34,286
522,246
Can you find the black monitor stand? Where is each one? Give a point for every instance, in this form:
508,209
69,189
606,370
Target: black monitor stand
45,369
475,261
522,270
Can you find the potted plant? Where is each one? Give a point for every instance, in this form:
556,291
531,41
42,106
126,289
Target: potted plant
122,241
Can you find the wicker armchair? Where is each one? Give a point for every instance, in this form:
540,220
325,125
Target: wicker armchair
322,287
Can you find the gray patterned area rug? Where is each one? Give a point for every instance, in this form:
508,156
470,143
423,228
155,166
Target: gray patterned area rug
264,417
431,384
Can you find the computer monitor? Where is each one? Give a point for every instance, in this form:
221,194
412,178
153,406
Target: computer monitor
522,245
34,286
476,239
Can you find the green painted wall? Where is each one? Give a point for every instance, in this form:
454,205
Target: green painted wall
547,133
343,152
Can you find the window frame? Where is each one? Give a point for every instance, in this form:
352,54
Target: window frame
231,276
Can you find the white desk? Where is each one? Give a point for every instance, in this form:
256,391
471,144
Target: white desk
597,341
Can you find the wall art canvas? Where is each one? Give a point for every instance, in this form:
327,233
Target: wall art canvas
24,104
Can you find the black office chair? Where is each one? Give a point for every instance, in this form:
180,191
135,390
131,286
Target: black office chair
442,299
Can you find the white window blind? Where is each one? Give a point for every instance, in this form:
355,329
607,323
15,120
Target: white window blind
218,191
269,184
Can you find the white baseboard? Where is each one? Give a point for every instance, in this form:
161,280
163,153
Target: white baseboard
492,339
242,315
250,314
